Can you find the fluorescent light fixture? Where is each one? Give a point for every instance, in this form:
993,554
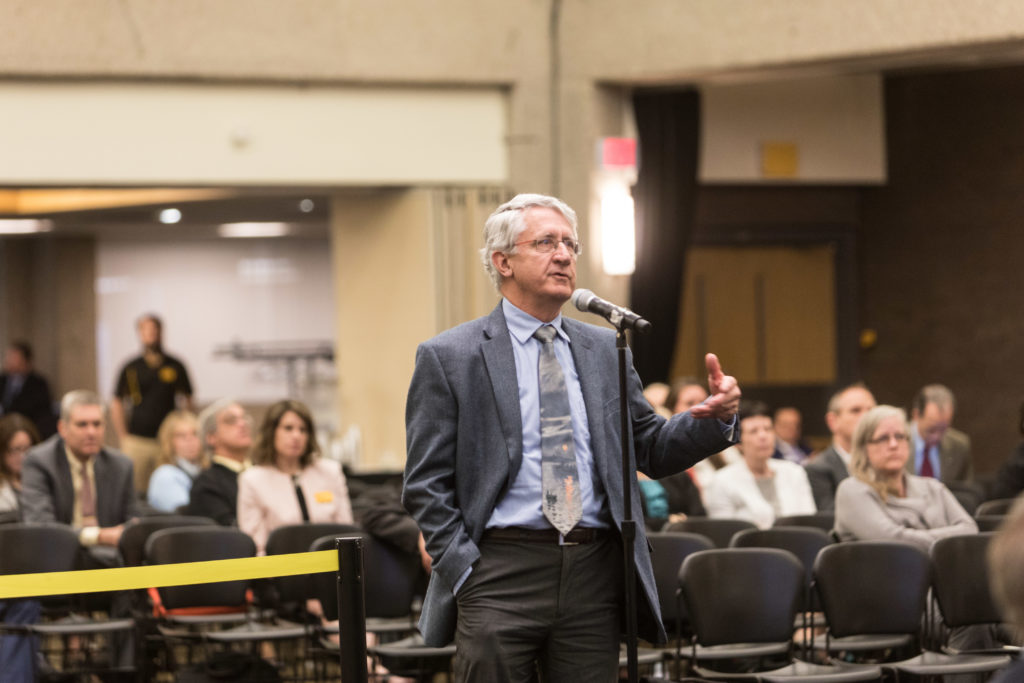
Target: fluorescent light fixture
265,229
24,226
169,216
618,229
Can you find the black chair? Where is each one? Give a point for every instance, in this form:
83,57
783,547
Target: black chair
132,545
719,530
668,550
961,589
819,520
804,542
390,579
742,604
989,522
874,595
999,506
968,493
197,614
88,645
290,593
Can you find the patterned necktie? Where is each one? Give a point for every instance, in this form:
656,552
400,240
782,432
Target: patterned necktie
87,499
562,504
926,462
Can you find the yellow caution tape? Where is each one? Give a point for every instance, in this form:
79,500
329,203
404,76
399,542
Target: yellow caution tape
184,574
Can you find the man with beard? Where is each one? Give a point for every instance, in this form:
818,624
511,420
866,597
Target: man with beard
152,385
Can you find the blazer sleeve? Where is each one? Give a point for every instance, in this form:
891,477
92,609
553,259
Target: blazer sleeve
37,490
431,425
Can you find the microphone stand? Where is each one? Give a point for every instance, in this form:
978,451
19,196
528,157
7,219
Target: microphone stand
628,524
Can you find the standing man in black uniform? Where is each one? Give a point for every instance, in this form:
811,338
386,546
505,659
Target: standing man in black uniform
151,385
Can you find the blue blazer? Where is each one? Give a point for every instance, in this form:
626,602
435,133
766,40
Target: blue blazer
464,448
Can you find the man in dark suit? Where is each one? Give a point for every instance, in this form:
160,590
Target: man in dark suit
25,391
830,467
939,451
226,432
72,479
521,580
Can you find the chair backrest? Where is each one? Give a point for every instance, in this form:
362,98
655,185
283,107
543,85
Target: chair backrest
719,530
819,520
989,522
872,587
742,595
803,541
999,506
389,578
297,538
669,549
200,544
36,548
960,580
132,545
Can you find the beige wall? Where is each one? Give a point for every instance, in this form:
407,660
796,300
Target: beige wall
559,102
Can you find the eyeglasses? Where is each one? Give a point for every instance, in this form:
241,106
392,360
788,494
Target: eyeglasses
900,437
546,245
17,450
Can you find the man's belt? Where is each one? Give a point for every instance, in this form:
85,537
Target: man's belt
524,535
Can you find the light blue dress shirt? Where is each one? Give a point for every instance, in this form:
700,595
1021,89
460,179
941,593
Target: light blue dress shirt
521,505
919,453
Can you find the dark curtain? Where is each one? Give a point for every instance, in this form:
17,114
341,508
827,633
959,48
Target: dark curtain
668,124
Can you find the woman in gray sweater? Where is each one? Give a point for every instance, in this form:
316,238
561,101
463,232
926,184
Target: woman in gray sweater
882,501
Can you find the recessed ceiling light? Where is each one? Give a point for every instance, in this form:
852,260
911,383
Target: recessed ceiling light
306,205
264,229
168,216
24,226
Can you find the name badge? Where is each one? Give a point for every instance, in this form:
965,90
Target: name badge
324,497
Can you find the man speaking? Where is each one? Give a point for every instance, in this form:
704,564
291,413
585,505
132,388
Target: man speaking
514,467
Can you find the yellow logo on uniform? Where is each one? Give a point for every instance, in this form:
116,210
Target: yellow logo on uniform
168,374
324,497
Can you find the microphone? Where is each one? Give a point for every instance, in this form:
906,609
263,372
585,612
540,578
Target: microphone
620,317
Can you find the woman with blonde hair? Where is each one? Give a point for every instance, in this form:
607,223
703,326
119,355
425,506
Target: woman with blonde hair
181,461
289,482
880,500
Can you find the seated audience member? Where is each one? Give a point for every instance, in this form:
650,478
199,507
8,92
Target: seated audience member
789,437
685,393
25,391
881,500
72,479
225,430
656,393
1006,577
670,499
289,482
759,488
831,466
181,461
17,435
1009,481
938,450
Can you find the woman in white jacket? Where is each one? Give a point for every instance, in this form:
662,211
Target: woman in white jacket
759,488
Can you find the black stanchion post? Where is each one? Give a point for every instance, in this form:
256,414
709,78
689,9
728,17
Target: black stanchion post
351,610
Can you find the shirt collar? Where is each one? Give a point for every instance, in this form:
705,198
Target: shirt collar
522,325
231,463
75,463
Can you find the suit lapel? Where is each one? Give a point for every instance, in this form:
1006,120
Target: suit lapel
64,491
501,369
592,385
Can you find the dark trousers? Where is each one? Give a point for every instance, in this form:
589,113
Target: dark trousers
530,606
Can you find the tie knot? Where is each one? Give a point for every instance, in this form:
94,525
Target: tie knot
545,333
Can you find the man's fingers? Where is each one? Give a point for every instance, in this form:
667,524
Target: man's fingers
714,368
